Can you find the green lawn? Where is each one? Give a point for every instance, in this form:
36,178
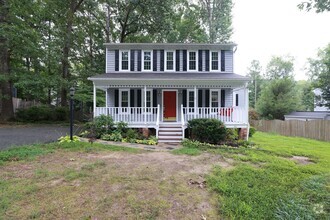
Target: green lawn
267,184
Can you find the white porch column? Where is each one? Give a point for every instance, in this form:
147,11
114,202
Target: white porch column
106,98
195,100
246,95
94,99
145,104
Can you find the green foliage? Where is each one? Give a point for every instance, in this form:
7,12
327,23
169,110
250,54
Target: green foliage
231,134
253,114
152,140
66,139
207,130
252,131
131,135
42,113
306,94
22,153
114,136
278,98
318,5
280,68
100,125
122,127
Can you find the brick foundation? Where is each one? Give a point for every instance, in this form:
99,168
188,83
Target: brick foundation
145,132
242,133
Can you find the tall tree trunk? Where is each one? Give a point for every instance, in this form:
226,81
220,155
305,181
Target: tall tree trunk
66,49
7,110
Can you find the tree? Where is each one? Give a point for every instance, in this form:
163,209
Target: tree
254,72
6,88
280,67
318,5
306,95
319,73
278,98
216,17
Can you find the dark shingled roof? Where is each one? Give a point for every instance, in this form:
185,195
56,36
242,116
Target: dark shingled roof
169,76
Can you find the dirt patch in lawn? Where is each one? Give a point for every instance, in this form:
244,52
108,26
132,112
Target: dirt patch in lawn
301,160
112,185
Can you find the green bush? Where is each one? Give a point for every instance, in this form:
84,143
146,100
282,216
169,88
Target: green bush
114,136
207,130
232,134
61,113
100,125
252,131
131,135
122,128
42,113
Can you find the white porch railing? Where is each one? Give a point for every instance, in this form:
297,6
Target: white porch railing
130,115
224,114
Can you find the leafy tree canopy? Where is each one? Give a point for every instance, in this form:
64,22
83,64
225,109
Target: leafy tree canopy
318,5
280,67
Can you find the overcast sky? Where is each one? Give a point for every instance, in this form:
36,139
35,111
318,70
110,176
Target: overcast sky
263,28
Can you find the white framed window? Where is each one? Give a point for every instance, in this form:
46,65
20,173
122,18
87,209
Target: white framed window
214,100
169,60
192,60
149,100
191,100
147,60
124,100
124,60
214,61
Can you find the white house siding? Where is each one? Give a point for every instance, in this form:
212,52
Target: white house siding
228,97
110,61
229,61
111,98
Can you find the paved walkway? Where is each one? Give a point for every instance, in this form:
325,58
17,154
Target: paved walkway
161,147
17,135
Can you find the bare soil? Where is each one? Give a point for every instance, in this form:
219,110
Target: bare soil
301,160
113,185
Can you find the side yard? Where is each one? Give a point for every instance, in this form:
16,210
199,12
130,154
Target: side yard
277,178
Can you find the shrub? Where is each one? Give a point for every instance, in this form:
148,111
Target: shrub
66,139
131,135
42,113
122,128
252,131
100,125
61,113
253,114
114,136
232,134
207,130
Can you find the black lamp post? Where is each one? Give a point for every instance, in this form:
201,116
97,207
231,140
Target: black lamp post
71,112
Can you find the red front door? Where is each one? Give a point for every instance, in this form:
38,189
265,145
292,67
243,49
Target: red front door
169,106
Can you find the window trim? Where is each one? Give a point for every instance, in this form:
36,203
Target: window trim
195,104
121,58
151,98
151,60
120,100
165,60
219,61
219,98
196,61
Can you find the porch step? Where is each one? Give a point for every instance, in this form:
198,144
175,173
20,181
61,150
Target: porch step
170,133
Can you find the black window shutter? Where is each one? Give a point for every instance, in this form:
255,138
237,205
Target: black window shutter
207,98
184,98
154,57
207,60
132,99
200,98
223,66
184,66
154,97
132,60
116,60
116,98
223,96
200,60
177,57
236,100
138,98
139,60
162,60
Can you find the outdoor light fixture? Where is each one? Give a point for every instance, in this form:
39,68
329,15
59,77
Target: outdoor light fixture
72,90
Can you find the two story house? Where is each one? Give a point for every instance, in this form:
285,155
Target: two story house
162,86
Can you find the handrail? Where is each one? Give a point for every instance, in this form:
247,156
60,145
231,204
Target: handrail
182,121
157,120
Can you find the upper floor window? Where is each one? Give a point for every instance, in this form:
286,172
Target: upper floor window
124,60
192,57
214,60
169,62
147,60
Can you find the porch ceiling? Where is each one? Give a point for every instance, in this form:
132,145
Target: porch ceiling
170,80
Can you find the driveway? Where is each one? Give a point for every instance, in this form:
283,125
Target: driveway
31,134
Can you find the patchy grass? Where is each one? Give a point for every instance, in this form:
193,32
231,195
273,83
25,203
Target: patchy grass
80,181
187,151
267,184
